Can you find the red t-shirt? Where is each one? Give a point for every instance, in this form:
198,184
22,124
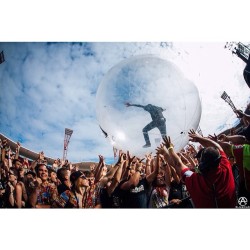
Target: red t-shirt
201,188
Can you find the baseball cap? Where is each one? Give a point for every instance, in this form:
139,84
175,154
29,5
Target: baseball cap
75,175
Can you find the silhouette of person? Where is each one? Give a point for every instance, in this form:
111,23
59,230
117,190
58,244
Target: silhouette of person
158,121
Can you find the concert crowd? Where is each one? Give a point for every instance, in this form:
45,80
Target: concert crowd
209,172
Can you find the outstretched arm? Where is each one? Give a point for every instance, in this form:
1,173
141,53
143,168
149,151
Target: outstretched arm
241,114
235,139
127,104
205,142
178,164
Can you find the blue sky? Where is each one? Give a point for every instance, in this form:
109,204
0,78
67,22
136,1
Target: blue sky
47,87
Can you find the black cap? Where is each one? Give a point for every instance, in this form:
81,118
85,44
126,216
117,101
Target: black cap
32,173
75,175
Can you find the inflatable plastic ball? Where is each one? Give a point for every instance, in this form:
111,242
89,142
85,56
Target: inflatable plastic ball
143,98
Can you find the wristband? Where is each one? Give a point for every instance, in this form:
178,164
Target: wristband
129,168
171,147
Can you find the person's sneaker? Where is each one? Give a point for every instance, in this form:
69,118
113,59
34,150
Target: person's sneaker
146,145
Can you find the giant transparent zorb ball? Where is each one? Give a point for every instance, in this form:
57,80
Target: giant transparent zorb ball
143,80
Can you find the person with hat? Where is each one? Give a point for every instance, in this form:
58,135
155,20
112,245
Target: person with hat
158,120
213,186
76,196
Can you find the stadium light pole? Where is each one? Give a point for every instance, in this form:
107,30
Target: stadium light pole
228,100
67,135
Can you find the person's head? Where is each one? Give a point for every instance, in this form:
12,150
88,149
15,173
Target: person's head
55,164
159,180
209,159
30,176
52,175
91,178
78,179
17,164
12,179
63,174
42,172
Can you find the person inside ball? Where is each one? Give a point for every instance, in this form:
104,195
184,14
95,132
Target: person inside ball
158,121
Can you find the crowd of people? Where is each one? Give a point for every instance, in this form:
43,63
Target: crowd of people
210,172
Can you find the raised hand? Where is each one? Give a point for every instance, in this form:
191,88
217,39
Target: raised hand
167,142
161,157
129,158
213,137
194,137
18,147
41,155
223,137
148,158
160,149
101,159
122,157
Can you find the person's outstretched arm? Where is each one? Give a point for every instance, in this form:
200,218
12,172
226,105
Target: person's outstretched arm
241,114
205,142
226,146
178,164
127,104
235,139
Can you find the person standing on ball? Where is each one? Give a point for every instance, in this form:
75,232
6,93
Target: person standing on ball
158,121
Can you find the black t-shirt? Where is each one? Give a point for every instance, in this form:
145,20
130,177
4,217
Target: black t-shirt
175,191
112,201
62,188
179,191
135,197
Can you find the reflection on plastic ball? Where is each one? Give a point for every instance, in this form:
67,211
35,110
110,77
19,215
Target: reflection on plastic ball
165,102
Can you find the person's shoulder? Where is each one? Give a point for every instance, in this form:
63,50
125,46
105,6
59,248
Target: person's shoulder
120,184
122,181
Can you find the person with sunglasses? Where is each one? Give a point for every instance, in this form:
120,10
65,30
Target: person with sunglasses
76,196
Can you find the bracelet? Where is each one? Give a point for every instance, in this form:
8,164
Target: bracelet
171,147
